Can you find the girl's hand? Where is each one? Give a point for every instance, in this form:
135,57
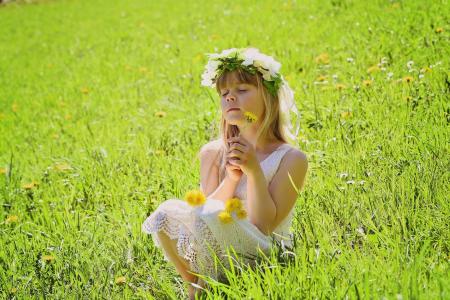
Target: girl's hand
233,172
242,154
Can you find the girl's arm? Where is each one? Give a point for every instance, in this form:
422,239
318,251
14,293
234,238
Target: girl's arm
269,205
261,207
225,190
209,175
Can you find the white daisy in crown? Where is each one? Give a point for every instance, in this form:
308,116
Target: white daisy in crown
249,59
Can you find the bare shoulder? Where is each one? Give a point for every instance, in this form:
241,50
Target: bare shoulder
209,152
296,156
214,145
294,164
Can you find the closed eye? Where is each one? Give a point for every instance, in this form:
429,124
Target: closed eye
240,90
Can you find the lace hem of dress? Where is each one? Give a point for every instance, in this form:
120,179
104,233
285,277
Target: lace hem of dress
196,245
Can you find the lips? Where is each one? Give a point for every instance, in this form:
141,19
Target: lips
231,109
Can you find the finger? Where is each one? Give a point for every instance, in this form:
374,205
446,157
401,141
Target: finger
239,138
235,162
234,153
232,167
237,147
235,140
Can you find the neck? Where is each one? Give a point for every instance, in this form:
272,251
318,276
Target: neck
262,144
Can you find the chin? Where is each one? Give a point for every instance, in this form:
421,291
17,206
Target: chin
233,121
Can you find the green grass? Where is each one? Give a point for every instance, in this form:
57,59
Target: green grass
81,82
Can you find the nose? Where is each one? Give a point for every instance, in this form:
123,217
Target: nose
230,97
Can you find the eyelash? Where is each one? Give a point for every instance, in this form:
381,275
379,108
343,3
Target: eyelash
238,90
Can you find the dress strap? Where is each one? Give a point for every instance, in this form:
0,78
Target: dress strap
275,160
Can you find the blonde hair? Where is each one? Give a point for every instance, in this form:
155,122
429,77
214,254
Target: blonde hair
270,125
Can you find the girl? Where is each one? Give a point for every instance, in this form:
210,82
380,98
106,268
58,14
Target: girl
251,175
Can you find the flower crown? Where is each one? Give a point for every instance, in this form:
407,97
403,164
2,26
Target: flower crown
252,61
248,59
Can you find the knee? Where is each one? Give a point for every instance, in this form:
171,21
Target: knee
189,277
161,235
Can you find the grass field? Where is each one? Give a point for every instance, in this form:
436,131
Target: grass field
102,115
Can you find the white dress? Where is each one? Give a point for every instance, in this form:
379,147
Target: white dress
199,230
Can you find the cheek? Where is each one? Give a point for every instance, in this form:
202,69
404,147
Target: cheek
222,104
257,104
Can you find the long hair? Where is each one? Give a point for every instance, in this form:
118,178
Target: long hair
270,125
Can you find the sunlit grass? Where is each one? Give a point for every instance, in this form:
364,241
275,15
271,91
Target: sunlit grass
102,115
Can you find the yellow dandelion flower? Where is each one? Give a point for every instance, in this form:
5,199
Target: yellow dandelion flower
68,117
340,86
214,37
323,58
250,117
12,219
233,204
367,82
13,290
160,114
3,170
439,30
195,197
160,152
29,186
55,136
321,78
62,167
198,57
143,70
346,114
84,90
48,258
121,280
225,217
14,107
241,214
408,79
373,69
425,70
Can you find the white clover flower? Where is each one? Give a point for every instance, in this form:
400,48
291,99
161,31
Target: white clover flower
409,64
389,75
249,56
349,59
227,52
212,65
208,76
343,175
